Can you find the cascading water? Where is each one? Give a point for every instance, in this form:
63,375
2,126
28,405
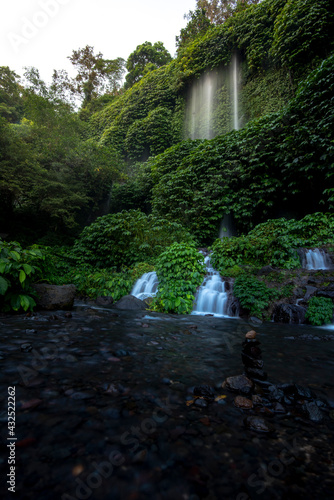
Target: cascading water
235,93
146,286
317,259
211,298
212,103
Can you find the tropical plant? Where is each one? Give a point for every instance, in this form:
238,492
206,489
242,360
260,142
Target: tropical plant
18,268
319,311
253,294
180,269
122,239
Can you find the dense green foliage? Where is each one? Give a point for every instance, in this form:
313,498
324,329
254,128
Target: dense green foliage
145,58
253,295
125,238
274,242
280,163
137,112
19,268
127,152
180,269
50,176
256,34
319,311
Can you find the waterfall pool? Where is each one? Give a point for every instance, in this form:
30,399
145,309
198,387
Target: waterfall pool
104,402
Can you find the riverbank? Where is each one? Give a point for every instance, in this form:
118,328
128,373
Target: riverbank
105,407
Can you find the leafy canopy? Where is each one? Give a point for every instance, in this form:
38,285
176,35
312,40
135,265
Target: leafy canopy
145,58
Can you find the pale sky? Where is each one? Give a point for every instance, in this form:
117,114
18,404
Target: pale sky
43,33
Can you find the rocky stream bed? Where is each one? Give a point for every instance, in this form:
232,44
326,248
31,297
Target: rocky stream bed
133,405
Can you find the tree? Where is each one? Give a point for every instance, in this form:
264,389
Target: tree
145,58
217,11
10,95
95,74
198,25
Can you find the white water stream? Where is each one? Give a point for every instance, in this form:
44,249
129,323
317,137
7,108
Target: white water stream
317,259
211,297
146,286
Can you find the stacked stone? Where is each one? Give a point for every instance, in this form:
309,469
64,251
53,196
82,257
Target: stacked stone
252,359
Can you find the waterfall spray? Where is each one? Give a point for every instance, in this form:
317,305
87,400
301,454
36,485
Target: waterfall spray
235,92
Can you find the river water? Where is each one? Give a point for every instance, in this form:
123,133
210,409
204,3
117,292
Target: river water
103,381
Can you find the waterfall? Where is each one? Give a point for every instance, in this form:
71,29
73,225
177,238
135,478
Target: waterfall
211,297
317,259
212,103
235,93
146,286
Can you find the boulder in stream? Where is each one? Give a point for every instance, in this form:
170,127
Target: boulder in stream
289,313
52,297
130,302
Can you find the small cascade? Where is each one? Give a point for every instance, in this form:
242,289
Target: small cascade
317,259
211,297
146,286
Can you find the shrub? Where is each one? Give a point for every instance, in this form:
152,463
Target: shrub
319,311
274,242
17,270
180,271
253,294
104,282
122,239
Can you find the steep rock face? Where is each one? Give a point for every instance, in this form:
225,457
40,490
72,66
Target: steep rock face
52,297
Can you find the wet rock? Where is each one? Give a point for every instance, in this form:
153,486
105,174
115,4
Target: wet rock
251,348
52,297
257,400
201,402
329,294
264,271
204,391
239,383
27,405
104,300
254,321
312,411
310,290
251,362
278,408
244,403
26,347
121,353
256,374
251,334
274,394
288,313
297,391
257,424
130,302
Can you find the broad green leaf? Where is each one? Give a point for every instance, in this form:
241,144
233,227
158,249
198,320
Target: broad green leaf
22,276
3,285
15,255
25,302
2,267
28,269
15,302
